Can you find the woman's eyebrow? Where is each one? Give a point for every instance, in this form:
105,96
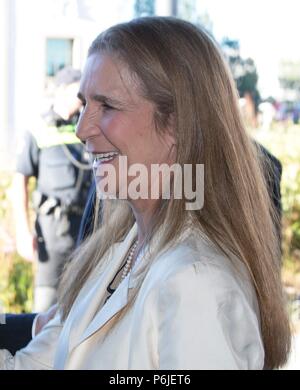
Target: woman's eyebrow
99,98
105,99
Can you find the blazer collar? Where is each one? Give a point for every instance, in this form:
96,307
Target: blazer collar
85,317
96,318
119,299
115,304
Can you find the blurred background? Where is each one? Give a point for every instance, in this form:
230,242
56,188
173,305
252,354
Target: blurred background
259,39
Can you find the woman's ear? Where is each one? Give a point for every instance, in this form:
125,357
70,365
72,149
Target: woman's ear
171,138
170,130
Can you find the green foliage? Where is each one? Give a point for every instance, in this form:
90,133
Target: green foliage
289,75
285,145
5,182
243,70
16,287
291,208
16,275
295,242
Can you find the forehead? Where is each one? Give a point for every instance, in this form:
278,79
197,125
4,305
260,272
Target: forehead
106,75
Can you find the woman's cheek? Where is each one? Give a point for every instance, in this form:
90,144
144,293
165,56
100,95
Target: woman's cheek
110,121
106,121
114,127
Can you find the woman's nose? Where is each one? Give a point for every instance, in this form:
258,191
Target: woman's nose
85,127
80,128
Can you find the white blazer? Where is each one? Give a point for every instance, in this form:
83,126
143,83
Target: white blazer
194,310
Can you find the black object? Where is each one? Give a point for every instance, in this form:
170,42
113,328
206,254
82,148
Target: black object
16,332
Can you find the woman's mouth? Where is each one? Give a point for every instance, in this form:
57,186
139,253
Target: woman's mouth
101,158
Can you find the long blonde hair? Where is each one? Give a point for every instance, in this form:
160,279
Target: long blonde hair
181,70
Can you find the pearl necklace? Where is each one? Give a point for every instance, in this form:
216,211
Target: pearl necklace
129,260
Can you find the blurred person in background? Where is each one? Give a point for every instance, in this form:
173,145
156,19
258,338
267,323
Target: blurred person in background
267,115
53,155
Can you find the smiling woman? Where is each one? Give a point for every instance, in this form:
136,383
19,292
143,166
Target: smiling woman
117,120
158,286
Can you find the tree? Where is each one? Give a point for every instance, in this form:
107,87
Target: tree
243,70
289,78
144,8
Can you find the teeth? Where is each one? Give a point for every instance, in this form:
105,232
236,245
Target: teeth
101,157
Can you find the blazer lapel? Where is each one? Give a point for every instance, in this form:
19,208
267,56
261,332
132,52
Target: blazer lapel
115,303
96,318
83,318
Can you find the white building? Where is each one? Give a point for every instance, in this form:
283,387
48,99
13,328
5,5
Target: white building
37,37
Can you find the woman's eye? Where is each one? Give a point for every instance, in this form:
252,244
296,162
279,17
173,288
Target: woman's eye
107,107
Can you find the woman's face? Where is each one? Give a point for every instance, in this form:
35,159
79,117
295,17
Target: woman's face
116,118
